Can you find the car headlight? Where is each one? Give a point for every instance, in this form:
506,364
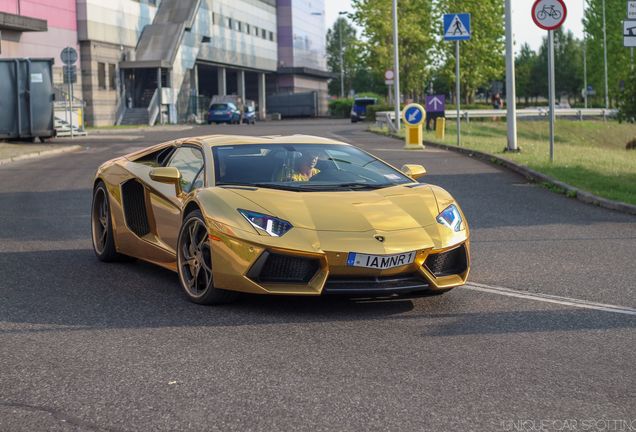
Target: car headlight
451,218
269,224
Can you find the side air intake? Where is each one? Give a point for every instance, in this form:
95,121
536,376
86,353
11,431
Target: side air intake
134,202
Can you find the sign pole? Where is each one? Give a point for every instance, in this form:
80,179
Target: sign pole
70,97
585,72
67,108
551,89
550,15
457,93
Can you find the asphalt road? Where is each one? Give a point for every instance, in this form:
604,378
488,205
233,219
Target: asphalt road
116,347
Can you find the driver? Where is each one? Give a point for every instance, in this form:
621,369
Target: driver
305,167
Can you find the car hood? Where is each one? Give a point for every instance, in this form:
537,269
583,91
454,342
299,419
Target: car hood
389,209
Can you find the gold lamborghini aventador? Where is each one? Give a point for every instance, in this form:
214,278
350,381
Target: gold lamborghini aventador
295,215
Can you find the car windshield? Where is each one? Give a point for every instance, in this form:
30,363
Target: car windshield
304,167
219,107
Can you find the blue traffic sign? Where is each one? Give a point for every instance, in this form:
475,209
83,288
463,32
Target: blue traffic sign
457,27
414,115
436,103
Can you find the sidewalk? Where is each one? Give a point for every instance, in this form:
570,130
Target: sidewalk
118,130
10,152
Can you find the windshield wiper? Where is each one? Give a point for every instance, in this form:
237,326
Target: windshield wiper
339,160
358,185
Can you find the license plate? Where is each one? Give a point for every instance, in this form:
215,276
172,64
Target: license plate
380,261
218,113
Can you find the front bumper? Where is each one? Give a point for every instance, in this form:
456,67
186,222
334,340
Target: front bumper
245,266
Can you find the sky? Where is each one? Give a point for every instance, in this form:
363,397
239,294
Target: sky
524,28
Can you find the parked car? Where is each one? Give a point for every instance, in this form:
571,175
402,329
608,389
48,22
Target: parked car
359,108
225,112
249,115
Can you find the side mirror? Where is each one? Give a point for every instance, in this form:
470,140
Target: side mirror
414,171
168,175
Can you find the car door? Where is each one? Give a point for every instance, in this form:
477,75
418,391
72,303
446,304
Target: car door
166,204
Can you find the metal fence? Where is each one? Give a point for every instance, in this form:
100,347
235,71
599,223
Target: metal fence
580,113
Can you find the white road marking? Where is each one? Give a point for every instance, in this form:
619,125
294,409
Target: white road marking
547,298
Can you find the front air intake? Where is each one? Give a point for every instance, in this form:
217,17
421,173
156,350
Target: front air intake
452,262
277,268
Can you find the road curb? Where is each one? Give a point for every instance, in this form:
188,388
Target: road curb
537,177
141,129
40,153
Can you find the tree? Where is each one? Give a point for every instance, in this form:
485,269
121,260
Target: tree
351,55
568,58
482,58
568,70
416,41
627,101
618,61
524,68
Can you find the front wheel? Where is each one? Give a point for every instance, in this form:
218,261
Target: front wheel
102,227
194,263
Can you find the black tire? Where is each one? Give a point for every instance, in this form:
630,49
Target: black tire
102,227
194,263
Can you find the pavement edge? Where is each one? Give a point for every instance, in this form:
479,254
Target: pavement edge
535,176
40,153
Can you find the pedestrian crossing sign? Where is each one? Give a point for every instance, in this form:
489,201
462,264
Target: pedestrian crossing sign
457,27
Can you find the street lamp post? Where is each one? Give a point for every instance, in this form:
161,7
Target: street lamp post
341,54
396,66
584,61
511,97
605,57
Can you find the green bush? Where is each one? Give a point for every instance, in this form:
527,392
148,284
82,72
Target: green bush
372,109
340,108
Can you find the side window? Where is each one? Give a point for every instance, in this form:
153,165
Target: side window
189,161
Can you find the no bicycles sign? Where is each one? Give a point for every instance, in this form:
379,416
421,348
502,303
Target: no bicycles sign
549,14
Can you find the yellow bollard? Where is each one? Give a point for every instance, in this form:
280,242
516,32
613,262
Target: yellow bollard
440,128
413,115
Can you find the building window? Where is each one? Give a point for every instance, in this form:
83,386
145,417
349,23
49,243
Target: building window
255,31
264,33
248,30
101,76
112,74
229,23
271,36
214,18
238,25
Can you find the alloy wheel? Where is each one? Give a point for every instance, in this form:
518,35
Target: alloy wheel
195,258
100,220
